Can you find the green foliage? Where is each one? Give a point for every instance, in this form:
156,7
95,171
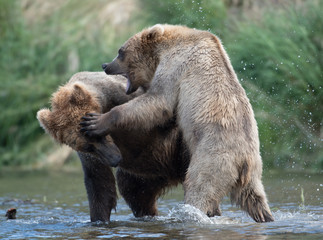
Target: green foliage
36,57
20,99
279,60
276,52
200,14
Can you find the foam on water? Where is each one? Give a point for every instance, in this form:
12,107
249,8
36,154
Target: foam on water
180,216
187,213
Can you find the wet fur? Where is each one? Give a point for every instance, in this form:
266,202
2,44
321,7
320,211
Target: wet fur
186,73
100,186
151,161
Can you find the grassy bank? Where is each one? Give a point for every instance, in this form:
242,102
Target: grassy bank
276,51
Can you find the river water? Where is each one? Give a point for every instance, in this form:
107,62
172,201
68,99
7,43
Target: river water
54,205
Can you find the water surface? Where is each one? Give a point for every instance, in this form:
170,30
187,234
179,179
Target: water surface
54,205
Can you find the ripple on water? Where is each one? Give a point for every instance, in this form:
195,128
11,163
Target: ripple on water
39,219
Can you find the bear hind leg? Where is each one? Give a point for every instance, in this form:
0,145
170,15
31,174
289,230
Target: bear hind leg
208,180
140,193
252,199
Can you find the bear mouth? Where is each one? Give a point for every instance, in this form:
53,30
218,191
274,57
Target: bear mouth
129,87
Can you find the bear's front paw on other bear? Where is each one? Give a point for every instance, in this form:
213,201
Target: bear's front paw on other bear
95,125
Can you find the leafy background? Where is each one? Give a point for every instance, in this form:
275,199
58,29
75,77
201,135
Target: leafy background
276,48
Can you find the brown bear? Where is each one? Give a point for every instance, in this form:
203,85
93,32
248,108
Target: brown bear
187,73
148,162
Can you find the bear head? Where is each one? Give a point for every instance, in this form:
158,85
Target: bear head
69,104
138,58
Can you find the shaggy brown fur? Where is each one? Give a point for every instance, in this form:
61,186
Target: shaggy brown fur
78,97
188,73
151,161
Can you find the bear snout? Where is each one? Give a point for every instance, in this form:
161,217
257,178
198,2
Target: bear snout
112,68
104,66
108,152
114,162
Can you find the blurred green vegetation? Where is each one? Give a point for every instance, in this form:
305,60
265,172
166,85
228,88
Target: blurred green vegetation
276,50
43,43
279,59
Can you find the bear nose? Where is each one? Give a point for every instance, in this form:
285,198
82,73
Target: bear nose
104,66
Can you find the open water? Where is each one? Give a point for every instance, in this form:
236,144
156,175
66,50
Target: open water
53,205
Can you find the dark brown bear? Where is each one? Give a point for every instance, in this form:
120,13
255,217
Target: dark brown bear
151,161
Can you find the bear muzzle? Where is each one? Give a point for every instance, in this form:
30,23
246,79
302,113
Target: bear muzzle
108,152
104,66
112,68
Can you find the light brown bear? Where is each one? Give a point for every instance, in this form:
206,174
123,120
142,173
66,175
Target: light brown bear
187,73
151,161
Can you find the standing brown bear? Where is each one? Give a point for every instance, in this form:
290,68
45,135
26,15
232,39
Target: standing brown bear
187,73
148,162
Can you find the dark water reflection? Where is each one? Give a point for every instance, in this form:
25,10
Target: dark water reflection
54,205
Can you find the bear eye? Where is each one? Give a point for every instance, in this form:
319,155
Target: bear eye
121,54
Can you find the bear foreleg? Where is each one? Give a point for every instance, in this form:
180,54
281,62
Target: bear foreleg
144,112
100,186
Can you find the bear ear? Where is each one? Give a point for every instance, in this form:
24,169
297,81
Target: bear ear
79,95
44,116
153,34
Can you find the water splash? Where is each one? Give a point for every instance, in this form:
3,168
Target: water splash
187,213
